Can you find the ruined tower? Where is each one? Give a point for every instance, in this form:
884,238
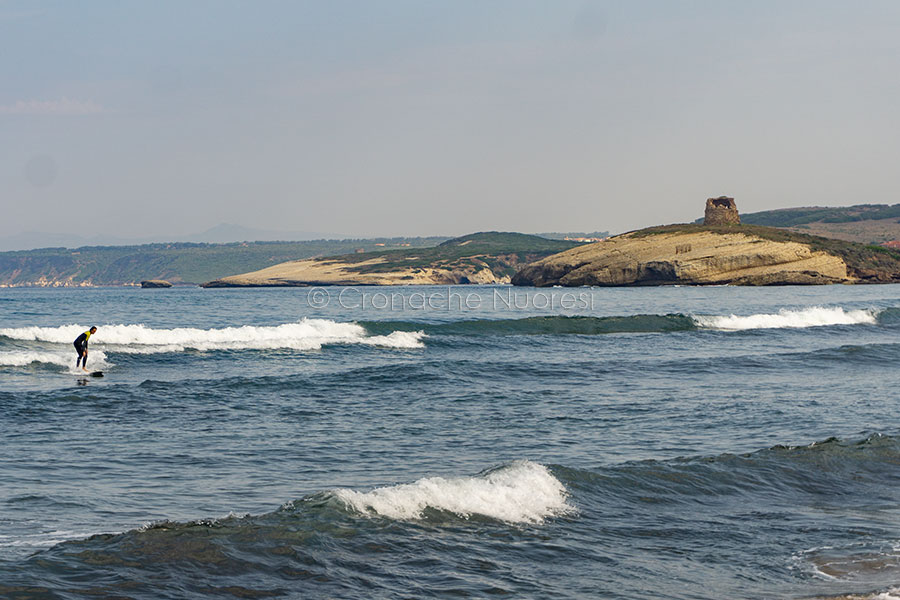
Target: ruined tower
721,211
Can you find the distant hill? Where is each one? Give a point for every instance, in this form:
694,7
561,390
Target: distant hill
486,257
499,241
500,251
175,262
863,223
791,217
220,234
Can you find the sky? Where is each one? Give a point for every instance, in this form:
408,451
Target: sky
389,118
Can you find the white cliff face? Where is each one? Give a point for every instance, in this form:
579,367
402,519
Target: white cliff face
336,272
701,257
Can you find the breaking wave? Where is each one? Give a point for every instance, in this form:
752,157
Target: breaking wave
816,316
521,492
22,358
307,334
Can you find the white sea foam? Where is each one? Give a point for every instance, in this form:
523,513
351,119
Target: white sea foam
891,594
521,492
21,358
307,334
396,339
815,316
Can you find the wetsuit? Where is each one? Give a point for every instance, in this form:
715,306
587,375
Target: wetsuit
81,343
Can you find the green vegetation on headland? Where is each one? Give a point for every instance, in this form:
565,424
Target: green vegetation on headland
864,223
864,261
502,252
175,262
488,257
792,217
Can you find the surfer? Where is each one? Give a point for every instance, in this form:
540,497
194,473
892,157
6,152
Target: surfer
81,344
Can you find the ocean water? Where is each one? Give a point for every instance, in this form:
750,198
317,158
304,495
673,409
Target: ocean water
421,442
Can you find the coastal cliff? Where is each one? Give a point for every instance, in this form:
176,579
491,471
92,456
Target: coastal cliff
479,258
334,271
701,254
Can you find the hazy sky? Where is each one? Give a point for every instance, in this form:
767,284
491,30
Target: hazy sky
432,118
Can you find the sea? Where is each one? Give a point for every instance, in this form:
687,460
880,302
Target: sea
451,442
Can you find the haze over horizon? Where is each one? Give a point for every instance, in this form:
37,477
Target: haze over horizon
406,118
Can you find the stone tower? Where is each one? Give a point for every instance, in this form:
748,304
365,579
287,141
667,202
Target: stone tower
721,211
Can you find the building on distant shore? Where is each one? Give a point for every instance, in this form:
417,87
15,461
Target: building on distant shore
585,239
893,244
721,211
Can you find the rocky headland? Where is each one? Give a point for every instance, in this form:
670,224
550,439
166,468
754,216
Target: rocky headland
479,258
713,254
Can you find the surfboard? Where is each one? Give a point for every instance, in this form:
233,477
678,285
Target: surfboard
96,373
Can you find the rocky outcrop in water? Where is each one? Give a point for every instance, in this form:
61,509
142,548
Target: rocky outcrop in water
156,283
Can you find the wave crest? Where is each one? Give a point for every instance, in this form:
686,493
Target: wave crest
521,492
815,316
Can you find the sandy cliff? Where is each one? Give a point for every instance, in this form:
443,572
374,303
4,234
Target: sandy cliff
337,272
484,258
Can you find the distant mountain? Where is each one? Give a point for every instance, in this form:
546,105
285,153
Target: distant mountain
223,233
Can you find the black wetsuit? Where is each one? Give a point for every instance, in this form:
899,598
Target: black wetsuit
81,343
